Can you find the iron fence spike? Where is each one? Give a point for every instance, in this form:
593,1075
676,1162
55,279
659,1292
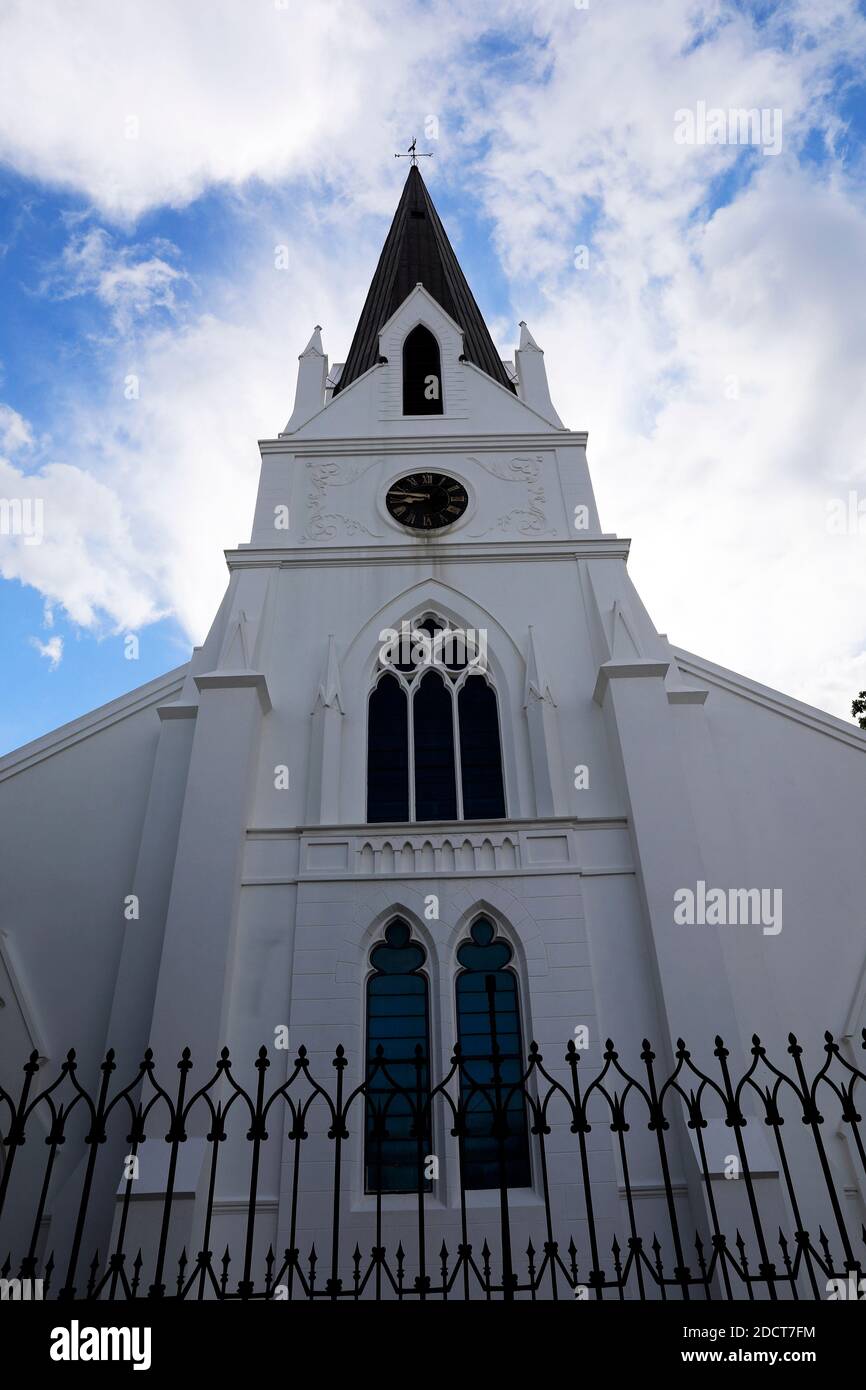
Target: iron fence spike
621,1099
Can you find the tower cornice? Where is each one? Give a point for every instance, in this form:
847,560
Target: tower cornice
463,552
426,444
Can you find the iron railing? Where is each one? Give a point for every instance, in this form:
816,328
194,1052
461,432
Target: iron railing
63,1144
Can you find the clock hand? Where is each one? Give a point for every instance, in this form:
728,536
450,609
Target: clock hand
414,496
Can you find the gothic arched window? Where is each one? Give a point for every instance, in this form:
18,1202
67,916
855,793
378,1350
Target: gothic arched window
388,752
480,751
397,1137
422,373
434,747
433,728
488,1013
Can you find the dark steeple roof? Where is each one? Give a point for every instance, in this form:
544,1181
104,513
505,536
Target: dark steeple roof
417,249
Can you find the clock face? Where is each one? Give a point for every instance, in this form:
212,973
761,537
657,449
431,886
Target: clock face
426,501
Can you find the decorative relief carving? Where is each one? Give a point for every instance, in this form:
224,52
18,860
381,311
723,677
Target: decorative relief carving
531,518
324,525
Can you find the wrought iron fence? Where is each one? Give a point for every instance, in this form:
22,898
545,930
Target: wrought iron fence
687,1253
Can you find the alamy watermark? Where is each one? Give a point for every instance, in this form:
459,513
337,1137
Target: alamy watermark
23,516
846,516
715,125
20,1290
77,1343
447,647
732,907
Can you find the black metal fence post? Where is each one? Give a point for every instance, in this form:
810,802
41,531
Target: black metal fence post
482,1108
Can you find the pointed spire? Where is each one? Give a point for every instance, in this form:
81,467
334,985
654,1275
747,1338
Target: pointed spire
532,387
312,377
417,251
526,338
314,346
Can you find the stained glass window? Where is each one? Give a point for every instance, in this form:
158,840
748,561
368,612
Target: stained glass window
480,752
388,752
398,1079
433,727
434,674
488,1012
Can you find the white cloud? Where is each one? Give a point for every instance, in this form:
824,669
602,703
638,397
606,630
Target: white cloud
139,106
725,410
52,650
15,432
76,546
127,280
725,498
140,496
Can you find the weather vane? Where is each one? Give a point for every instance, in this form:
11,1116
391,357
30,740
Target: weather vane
412,153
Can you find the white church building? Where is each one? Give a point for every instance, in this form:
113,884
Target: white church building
435,779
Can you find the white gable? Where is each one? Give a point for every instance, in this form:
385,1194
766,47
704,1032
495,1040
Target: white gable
421,307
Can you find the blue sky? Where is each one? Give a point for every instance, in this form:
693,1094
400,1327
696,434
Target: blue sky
714,346
55,346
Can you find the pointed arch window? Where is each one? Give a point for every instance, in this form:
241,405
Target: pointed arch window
388,752
422,373
397,1136
433,728
434,743
492,1063
480,751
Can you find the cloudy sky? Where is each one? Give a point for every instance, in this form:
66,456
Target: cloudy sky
701,305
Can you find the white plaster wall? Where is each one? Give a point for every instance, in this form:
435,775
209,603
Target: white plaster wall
336,497
794,798
333,924
366,408
356,601
770,793
70,822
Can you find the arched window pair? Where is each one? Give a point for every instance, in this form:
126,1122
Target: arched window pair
433,745
422,373
494,1145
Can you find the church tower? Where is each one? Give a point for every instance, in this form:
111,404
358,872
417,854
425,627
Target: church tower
419,690
432,726
433,781
431,716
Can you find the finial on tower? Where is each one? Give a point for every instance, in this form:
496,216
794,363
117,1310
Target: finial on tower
526,338
413,154
315,343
